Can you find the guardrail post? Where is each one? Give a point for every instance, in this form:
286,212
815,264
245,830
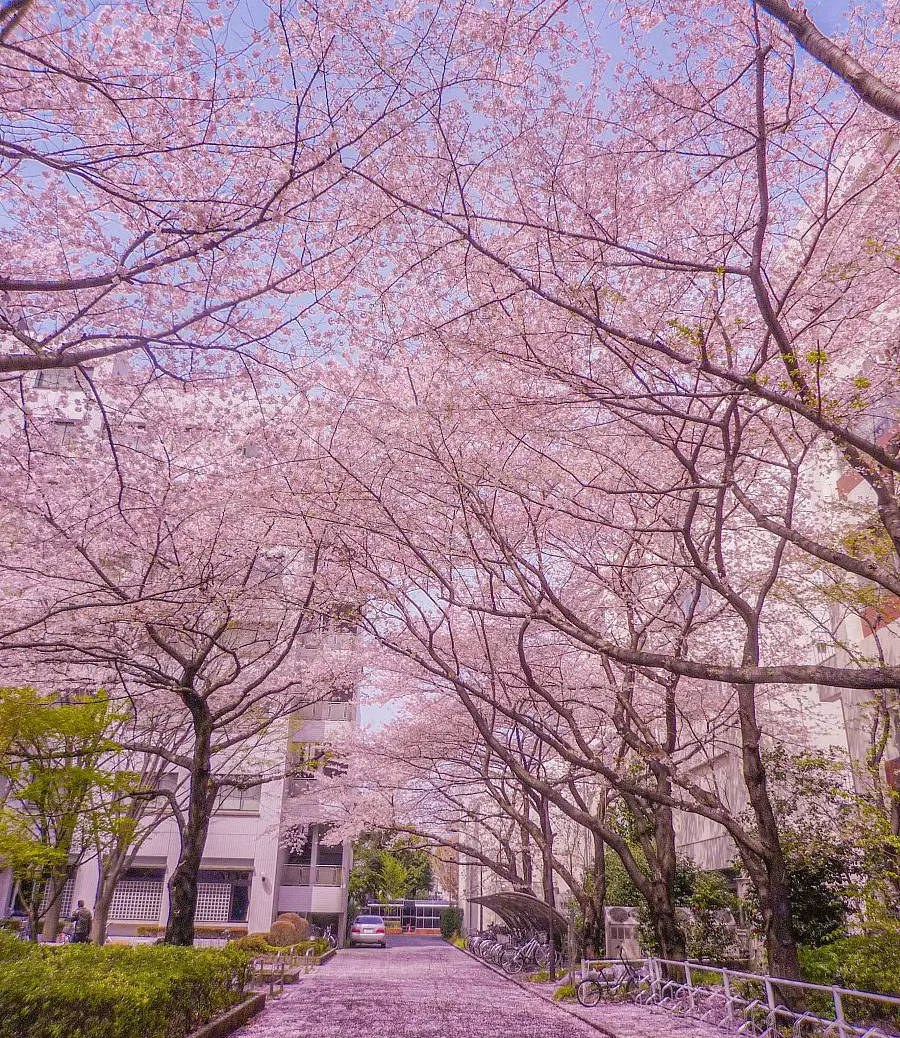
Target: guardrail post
687,974
773,1005
839,1012
726,987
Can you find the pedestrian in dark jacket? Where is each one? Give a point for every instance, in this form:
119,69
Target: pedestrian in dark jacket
82,919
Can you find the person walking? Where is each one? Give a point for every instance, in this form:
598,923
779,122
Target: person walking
81,920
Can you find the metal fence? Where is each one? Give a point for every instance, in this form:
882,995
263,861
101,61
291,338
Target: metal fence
754,1004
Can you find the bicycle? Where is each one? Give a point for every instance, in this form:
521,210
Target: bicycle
514,959
614,981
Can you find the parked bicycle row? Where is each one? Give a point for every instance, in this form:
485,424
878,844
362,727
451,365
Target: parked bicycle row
498,946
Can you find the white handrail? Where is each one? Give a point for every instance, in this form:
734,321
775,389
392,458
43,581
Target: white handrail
659,989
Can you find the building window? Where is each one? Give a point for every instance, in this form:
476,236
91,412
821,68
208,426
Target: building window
223,895
138,895
65,899
57,378
245,801
60,432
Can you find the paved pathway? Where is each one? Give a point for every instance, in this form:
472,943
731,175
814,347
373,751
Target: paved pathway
423,988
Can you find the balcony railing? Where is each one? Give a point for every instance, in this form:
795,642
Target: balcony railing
295,875
302,875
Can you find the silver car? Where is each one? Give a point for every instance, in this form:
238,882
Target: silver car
368,929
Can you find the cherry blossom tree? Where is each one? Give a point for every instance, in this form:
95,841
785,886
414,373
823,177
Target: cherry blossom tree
688,250
159,572
173,181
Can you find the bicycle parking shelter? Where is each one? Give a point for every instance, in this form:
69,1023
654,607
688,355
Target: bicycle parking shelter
524,914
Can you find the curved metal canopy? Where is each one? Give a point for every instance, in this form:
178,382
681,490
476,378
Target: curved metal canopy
523,912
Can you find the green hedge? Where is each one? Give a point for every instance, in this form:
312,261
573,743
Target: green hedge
81,991
256,944
451,922
867,962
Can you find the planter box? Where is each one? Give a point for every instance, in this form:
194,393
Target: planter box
236,1017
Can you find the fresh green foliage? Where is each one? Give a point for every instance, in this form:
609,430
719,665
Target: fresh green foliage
451,922
869,962
58,793
388,869
81,991
705,893
839,845
564,993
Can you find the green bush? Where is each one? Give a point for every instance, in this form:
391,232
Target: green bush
451,922
868,962
81,991
258,944
283,934
254,943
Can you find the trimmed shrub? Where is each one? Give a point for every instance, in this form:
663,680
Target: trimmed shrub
258,944
301,925
283,934
254,943
451,922
82,991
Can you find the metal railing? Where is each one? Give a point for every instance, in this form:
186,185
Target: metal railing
329,875
303,876
729,1003
295,875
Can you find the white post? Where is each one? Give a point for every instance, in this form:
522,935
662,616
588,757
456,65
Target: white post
839,1012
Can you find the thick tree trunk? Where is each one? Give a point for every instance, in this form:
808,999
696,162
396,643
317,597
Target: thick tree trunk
183,881
666,927
770,876
50,922
656,835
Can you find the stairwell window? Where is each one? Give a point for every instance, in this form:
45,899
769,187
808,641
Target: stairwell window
239,801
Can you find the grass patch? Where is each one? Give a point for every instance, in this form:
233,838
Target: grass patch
564,993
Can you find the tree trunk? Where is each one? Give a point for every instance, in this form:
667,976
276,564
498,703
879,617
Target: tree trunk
50,920
183,881
656,836
111,867
770,875
595,908
669,934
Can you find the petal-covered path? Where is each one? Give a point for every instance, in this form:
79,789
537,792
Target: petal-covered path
423,988
415,988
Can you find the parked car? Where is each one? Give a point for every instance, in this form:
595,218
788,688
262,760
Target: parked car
368,929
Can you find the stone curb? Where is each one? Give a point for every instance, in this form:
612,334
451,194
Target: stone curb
232,1019
530,988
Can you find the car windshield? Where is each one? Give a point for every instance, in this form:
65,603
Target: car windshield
369,919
